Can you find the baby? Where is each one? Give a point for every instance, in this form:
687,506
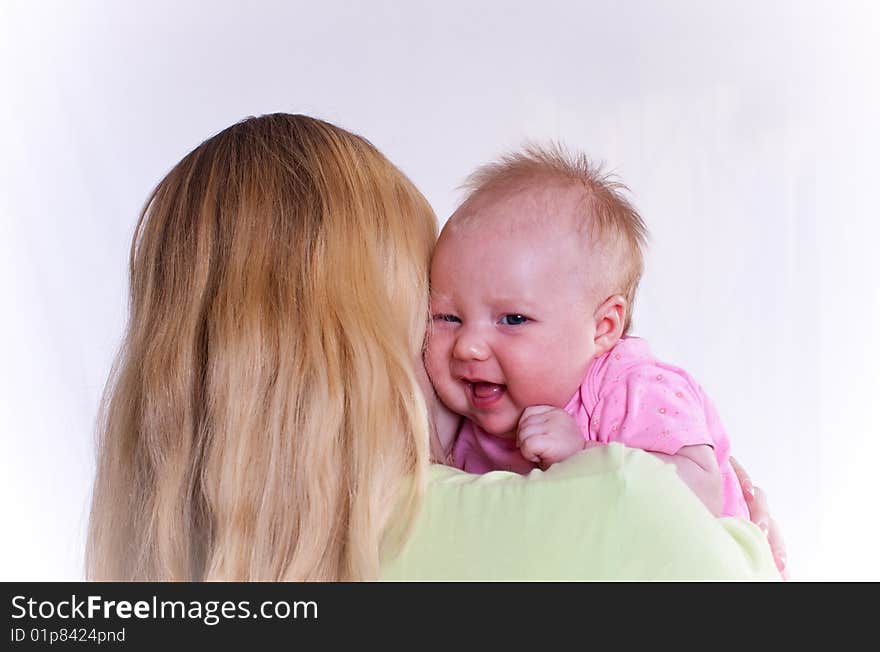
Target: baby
532,287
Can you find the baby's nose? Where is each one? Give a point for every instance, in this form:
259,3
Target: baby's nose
469,347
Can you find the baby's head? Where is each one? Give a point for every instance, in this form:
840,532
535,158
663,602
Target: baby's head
533,276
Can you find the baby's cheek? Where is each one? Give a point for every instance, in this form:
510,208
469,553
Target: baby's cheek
549,384
442,384
424,381
436,359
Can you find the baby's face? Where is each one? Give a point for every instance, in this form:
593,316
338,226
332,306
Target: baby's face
512,322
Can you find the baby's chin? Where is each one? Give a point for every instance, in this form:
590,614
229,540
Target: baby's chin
497,428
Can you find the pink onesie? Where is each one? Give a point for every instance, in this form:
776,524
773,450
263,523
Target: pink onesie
628,396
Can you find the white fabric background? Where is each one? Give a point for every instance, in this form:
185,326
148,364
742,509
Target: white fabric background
747,132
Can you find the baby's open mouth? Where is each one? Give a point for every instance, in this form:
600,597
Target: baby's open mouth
484,394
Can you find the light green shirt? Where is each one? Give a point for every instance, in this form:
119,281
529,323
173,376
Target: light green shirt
611,513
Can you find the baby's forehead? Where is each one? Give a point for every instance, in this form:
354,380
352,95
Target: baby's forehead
550,219
545,221
540,209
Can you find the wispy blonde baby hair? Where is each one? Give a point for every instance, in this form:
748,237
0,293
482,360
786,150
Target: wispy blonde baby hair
264,420
604,212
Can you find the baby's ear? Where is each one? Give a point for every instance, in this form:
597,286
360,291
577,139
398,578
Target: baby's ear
610,319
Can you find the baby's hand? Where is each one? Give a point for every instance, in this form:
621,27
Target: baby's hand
547,435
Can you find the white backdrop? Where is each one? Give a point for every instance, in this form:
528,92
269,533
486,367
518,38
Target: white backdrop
747,132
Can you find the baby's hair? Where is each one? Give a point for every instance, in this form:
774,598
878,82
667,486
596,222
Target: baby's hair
607,215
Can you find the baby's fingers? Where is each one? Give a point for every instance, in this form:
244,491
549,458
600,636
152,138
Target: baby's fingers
533,411
529,430
535,448
532,421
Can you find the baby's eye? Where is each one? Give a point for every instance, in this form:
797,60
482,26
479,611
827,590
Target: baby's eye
514,319
447,318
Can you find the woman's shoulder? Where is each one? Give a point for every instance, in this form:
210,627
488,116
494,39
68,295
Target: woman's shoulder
610,513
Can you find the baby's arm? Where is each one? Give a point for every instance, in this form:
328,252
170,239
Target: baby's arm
698,467
660,409
548,435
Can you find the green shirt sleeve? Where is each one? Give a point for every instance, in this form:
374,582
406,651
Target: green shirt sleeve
611,513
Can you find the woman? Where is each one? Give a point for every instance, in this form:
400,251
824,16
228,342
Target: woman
265,419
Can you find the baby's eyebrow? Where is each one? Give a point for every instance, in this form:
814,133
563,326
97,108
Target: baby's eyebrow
519,303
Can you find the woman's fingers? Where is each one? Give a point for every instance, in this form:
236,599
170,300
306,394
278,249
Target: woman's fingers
761,517
759,512
744,480
777,546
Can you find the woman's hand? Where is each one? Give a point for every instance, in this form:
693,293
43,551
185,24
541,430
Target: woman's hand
756,500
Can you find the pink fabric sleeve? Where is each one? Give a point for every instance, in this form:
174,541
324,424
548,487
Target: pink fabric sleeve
650,406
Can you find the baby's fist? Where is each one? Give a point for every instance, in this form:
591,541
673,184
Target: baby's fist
547,435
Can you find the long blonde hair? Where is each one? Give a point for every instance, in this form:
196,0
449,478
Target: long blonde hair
264,418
